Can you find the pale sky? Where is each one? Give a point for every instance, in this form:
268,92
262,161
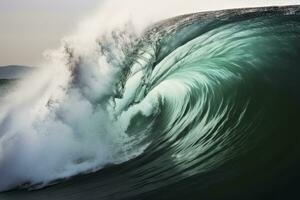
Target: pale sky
28,27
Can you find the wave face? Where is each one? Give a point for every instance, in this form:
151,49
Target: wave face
198,103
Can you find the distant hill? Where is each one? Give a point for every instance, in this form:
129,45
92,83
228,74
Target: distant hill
14,71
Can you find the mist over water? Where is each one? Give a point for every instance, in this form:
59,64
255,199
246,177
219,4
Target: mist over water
55,123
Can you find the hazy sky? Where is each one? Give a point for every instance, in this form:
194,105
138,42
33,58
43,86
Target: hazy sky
28,27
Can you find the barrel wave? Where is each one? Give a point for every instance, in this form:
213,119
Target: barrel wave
199,105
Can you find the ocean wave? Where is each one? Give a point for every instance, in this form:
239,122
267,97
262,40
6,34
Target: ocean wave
203,93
